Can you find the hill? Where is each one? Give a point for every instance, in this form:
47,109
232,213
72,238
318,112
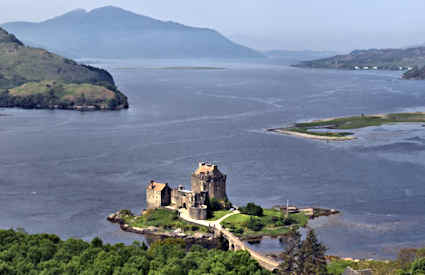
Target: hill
383,59
111,32
51,77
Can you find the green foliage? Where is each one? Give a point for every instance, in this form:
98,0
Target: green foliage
21,65
274,222
255,224
218,214
162,218
408,261
45,254
252,209
55,94
338,267
384,59
354,122
304,257
215,205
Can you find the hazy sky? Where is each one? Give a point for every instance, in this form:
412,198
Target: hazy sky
266,24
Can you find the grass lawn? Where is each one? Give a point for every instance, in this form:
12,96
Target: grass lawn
165,219
273,222
219,214
356,122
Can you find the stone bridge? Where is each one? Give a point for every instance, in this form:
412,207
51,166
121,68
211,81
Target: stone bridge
234,242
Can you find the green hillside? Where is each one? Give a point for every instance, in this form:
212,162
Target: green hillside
50,76
382,59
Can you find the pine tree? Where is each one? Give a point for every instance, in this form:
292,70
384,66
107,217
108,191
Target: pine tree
289,256
303,257
311,258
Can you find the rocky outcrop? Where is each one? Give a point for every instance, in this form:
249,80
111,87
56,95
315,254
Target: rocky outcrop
207,240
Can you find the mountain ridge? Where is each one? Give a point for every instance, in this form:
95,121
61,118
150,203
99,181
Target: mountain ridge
384,59
128,35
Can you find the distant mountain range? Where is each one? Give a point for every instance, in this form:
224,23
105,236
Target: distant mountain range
111,32
383,59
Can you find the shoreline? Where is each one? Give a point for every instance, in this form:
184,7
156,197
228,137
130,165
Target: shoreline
310,136
79,108
207,240
306,129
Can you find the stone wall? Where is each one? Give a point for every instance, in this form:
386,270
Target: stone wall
214,184
153,198
198,213
156,199
166,196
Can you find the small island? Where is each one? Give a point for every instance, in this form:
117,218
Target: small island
325,129
204,215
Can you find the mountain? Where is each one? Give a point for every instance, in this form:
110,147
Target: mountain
36,78
384,59
111,32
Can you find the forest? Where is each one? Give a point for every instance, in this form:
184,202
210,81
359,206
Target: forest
46,254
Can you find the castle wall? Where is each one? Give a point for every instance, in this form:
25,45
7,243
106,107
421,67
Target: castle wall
156,199
197,184
215,185
153,199
217,189
166,196
198,213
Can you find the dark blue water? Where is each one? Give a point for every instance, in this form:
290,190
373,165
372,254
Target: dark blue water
62,172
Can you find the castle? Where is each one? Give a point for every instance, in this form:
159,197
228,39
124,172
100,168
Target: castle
207,183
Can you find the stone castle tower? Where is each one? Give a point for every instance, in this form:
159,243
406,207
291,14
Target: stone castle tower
207,178
207,183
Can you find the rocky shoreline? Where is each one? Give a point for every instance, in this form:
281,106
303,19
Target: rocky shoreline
310,136
207,240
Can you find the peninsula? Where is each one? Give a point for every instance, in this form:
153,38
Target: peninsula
335,128
372,59
35,78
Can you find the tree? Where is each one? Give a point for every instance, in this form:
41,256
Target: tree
303,257
417,268
290,254
81,100
311,259
254,224
252,209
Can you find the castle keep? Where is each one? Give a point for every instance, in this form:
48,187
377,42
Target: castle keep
207,182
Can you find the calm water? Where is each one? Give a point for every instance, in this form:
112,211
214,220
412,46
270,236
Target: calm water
62,172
